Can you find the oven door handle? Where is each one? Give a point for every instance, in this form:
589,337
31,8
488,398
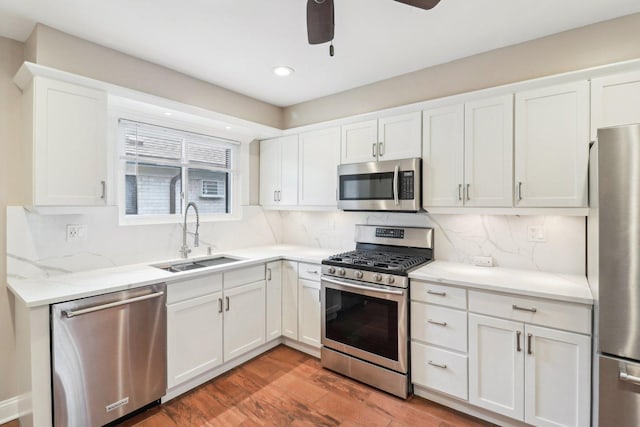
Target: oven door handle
365,288
395,184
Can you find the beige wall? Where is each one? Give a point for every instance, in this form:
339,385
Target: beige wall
56,49
598,44
11,54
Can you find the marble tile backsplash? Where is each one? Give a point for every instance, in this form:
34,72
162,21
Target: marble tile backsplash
457,237
37,246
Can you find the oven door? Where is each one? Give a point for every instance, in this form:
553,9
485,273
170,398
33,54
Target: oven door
366,320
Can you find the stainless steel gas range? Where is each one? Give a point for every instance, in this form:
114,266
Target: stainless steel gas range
365,305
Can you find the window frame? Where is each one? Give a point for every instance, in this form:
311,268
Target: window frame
233,179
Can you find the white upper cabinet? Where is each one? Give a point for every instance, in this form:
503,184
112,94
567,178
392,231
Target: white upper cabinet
488,152
399,136
443,154
552,146
279,171
360,142
388,138
468,154
319,156
615,100
67,126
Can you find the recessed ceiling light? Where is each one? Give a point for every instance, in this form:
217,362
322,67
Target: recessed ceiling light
168,113
283,70
227,127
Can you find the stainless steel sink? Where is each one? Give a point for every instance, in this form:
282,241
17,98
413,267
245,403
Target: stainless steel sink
195,264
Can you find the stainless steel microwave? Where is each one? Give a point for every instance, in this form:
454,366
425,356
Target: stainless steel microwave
391,185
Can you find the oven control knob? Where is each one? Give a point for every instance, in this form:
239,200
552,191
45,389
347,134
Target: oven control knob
391,279
341,271
332,270
378,277
359,274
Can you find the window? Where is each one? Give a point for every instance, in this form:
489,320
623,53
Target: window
164,169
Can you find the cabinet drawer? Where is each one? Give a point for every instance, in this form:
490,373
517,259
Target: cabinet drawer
244,276
438,369
556,314
193,288
309,271
439,294
439,325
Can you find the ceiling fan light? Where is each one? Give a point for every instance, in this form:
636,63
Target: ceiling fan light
282,71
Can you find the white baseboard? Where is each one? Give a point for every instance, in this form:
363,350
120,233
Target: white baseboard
9,409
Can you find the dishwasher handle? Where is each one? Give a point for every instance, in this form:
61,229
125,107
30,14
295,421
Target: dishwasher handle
73,313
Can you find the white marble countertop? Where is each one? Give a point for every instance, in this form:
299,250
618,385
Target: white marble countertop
562,287
38,292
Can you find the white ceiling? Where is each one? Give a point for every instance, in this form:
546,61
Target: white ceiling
235,43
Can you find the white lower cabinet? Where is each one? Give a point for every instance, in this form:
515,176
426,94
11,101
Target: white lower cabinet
309,312
274,300
194,328
531,373
439,369
194,337
244,319
290,299
496,365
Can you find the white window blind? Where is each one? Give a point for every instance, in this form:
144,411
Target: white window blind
145,142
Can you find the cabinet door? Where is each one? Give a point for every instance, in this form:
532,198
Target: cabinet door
270,171
318,161
442,167
274,300
557,369
496,365
552,146
309,312
244,319
194,337
488,152
290,299
70,161
399,136
359,142
289,179
615,100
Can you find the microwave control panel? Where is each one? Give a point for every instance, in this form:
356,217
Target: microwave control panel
406,185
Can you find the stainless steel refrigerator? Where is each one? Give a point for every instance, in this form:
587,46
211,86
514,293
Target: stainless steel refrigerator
614,273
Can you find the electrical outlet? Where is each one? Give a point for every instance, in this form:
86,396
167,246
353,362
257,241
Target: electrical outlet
77,232
535,233
483,261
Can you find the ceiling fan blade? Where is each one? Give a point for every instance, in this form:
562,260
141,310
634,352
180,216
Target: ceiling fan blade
422,4
320,21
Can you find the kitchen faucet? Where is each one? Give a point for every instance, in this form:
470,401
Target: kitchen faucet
184,250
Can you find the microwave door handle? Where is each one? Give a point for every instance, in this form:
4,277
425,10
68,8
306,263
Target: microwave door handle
395,184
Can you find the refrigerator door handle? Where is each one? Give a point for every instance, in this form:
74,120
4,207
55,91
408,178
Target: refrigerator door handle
629,378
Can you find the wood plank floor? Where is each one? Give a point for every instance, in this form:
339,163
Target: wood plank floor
284,387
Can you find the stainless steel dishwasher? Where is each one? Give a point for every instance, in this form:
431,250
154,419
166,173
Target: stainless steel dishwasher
108,355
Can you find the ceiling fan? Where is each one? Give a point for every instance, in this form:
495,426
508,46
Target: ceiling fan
320,22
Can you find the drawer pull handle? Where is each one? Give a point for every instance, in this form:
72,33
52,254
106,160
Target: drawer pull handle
437,365
435,322
531,310
529,336
227,300
440,294
219,305
312,271
518,347
268,274
629,378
